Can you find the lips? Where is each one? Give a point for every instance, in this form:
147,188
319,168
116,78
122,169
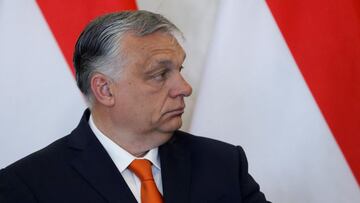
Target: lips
176,112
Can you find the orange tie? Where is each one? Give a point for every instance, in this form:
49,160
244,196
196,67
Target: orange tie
149,192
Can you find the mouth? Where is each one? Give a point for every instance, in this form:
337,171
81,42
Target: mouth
175,112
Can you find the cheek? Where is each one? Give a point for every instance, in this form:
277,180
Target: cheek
144,100
157,105
154,96
129,98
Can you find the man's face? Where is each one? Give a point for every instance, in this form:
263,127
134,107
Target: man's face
149,96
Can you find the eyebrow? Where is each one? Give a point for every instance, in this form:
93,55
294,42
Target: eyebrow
165,63
159,65
162,64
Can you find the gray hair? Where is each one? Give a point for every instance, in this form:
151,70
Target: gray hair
98,49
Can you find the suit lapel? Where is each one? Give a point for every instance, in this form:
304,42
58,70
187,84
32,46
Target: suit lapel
95,165
175,171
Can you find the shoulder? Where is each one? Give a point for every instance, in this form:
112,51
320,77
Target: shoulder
18,179
225,163
56,153
40,161
202,143
207,148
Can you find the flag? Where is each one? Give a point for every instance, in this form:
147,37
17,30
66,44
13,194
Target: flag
39,97
282,80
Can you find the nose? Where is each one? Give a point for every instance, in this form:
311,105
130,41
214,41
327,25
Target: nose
181,87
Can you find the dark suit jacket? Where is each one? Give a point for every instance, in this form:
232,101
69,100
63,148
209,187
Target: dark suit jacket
76,168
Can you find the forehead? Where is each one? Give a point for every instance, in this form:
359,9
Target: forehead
158,43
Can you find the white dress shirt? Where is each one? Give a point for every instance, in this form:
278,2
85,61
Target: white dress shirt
122,160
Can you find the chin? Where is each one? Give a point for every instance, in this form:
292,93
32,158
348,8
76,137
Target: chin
171,125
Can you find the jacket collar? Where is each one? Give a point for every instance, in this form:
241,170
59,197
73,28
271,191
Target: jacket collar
94,164
175,169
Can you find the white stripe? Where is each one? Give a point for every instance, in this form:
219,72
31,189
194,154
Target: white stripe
253,95
39,98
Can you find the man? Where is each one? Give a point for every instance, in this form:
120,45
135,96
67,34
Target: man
127,147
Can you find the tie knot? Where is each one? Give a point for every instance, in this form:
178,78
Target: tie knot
142,169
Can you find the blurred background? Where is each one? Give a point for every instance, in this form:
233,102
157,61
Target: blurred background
281,79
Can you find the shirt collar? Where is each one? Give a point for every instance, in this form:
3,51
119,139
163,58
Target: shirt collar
120,156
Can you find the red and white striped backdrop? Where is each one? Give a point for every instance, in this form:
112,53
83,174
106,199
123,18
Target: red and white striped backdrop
282,79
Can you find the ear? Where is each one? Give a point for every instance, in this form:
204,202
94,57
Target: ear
101,87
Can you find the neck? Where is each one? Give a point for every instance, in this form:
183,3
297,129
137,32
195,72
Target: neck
137,144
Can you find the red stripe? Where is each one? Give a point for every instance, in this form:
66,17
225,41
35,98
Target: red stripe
67,19
324,38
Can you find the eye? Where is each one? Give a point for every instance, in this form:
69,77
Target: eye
161,75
